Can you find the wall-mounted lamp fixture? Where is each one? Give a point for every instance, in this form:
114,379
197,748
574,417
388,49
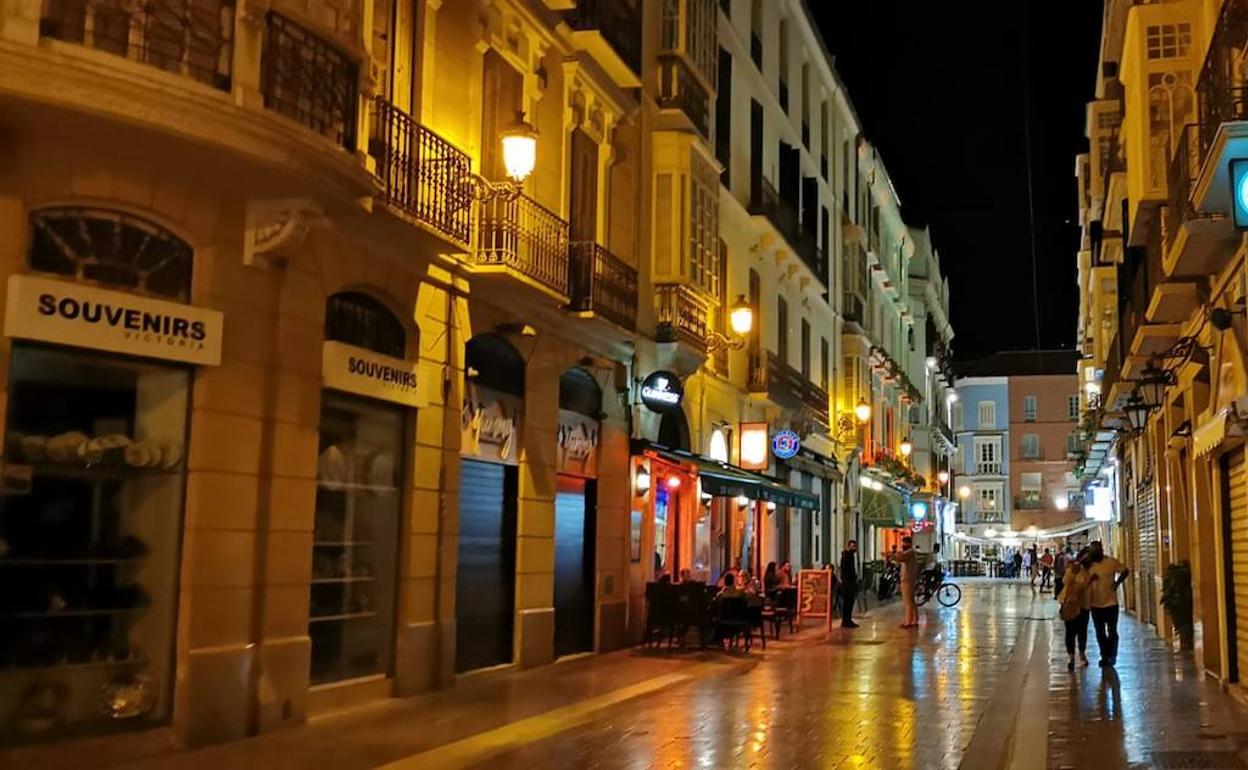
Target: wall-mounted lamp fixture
642,482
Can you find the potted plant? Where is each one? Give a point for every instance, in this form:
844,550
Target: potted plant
1176,597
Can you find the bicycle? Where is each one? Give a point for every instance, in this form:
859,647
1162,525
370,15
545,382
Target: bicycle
934,584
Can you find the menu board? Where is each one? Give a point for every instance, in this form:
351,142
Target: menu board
814,594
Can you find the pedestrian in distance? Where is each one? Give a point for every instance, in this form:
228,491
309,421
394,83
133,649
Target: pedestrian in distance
1046,570
908,559
1105,574
1033,566
1060,563
1017,561
849,583
1074,607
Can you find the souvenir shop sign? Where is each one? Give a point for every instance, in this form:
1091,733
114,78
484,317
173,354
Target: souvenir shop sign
490,425
814,594
662,392
366,373
577,444
49,310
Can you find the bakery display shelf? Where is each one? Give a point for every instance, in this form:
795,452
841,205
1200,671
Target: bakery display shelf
343,616
96,473
348,579
79,613
138,660
351,486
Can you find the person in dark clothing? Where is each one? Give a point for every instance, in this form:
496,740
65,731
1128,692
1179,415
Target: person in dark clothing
849,583
1018,565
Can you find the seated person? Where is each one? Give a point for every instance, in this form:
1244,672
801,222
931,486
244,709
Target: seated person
686,576
730,588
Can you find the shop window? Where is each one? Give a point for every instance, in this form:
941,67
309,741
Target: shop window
112,249
358,497
360,320
90,532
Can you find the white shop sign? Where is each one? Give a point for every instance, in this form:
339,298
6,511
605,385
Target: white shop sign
85,316
367,373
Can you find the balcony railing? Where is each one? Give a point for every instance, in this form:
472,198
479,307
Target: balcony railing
1029,501
602,284
522,235
1220,92
425,176
787,386
680,89
853,308
307,79
988,469
682,315
618,22
766,202
1181,175
191,39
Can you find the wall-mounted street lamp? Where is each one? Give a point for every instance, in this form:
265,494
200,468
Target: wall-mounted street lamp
740,323
642,482
906,447
1137,412
943,477
862,411
964,492
1152,385
519,158
848,423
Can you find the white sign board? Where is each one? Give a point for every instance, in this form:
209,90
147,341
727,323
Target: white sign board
86,316
366,373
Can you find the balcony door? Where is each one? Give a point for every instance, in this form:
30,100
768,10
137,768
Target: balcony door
583,192
502,98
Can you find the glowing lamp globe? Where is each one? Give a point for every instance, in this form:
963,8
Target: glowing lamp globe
943,477
519,149
741,316
906,447
862,411
964,492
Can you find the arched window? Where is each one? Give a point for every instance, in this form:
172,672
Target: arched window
495,364
579,392
110,248
358,319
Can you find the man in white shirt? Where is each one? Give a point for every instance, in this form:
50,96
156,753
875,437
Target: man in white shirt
1105,573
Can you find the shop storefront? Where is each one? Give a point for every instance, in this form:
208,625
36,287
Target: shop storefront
485,578
367,404
883,512
94,474
576,499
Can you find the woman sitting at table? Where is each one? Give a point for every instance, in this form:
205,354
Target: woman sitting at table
745,581
771,578
786,575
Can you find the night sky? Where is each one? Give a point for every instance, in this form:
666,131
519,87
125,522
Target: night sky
939,88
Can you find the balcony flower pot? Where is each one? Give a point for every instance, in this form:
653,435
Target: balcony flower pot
1176,598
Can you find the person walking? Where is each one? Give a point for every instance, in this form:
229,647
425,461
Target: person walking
1033,566
1105,574
908,560
1074,602
1017,561
849,583
1060,563
1046,570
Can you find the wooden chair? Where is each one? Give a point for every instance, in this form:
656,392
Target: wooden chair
733,621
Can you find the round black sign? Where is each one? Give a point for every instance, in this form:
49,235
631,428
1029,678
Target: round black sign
662,392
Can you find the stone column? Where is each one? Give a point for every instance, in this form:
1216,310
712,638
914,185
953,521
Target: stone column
535,526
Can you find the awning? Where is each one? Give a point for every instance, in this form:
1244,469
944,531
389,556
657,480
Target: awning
724,480
1209,434
883,508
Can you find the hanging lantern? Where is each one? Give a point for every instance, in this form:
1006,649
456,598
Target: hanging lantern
1137,412
1152,386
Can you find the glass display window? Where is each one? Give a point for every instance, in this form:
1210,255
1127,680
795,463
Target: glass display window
355,542
90,537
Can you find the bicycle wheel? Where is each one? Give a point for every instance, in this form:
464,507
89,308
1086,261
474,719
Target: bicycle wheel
948,594
921,594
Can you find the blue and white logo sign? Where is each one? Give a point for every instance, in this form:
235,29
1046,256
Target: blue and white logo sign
1239,193
785,443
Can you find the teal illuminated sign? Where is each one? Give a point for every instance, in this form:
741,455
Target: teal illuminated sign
1239,193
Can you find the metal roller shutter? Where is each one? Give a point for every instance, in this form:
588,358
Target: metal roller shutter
485,581
1236,479
1146,548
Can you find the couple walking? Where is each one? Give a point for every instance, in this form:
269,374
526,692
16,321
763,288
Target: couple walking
1090,589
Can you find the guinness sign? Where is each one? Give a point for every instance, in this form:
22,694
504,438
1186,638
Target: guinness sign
662,392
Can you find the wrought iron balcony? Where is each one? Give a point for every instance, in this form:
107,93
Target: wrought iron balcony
426,177
1180,176
766,202
602,284
1221,95
521,235
853,308
682,315
619,23
679,89
1029,501
307,79
787,386
191,39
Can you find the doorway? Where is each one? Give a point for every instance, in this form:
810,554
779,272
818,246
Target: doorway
574,564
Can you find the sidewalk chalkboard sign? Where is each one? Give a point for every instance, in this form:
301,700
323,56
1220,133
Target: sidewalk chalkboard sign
814,594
